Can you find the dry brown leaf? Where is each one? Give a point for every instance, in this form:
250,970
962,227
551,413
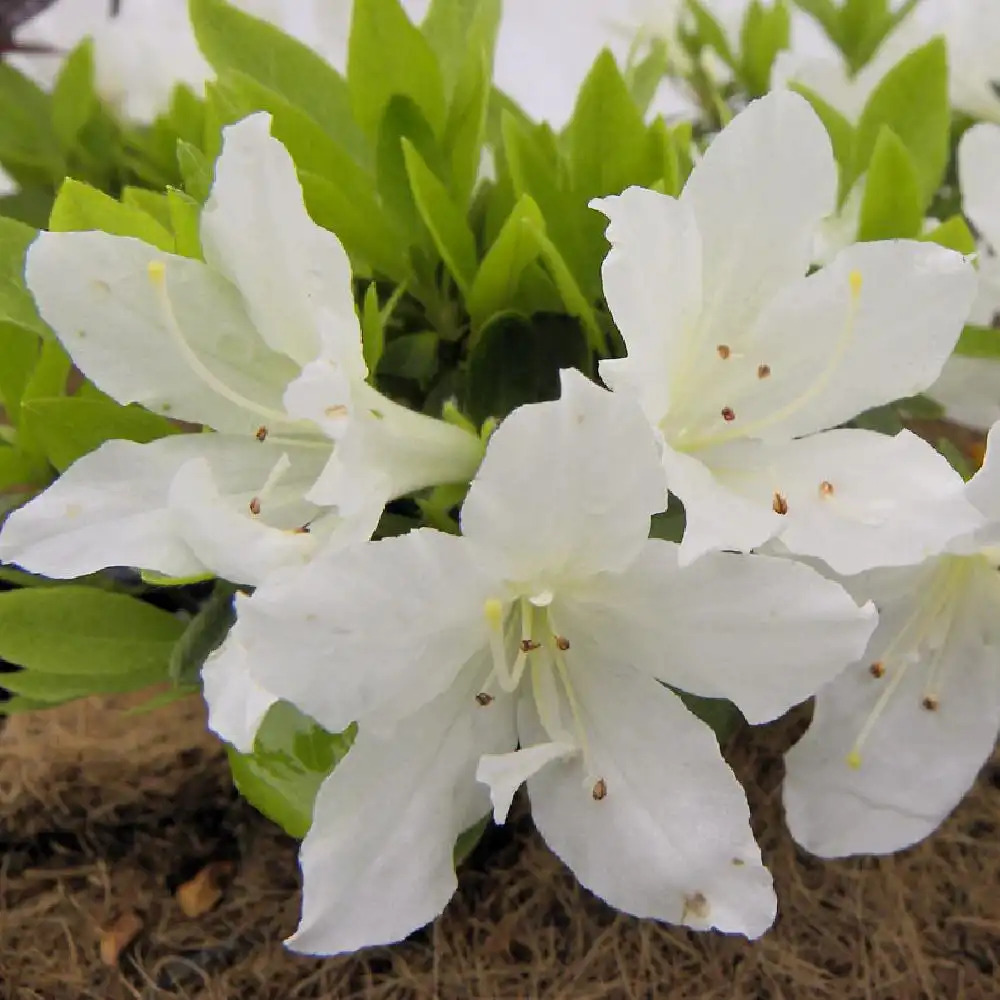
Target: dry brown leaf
118,936
203,892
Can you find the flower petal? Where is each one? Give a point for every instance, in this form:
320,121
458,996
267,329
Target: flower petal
652,282
505,773
113,506
983,490
378,861
758,195
979,174
670,836
763,632
882,319
567,488
969,391
290,272
178,341
236,703
916,764
379,628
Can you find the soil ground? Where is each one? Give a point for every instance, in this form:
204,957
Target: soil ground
103,813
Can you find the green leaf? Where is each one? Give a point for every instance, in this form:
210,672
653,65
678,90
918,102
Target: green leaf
153,203
465,128
27,135
85,632
372,328
710,32
16,303
412,356
444,219
912,100
21,472
68,428
60,688
196,170
19,349
826,13
606,135
232,40
517,360
389,57
291,757
73,97
953,233
203,635
468,839
80,207
764,34
839,129
892,206
496,282
979,342
460,32
50,374
185,221
721,716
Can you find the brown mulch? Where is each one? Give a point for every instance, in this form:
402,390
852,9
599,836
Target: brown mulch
104,815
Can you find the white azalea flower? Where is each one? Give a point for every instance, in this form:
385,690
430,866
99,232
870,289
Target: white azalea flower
260,343
898,739
969,388
550,625
742,363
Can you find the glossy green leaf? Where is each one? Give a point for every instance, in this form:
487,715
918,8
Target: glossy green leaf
291,757
73,97
460,31
60,688
185,221
85,632
765,32
953,233
839,129
979,342
16,303
495,284
27,134
465,128
412,356
204,634
196,170
892,206
372,328
233,40
389,57
68,428
19,349
80,207
912,100
445,220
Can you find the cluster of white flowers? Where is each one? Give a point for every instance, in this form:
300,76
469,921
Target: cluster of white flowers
545,644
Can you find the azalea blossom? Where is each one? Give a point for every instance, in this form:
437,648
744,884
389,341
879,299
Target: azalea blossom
898,739
548,626
969,388
260,343
743,363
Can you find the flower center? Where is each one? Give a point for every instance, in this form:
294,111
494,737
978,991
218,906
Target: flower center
540,651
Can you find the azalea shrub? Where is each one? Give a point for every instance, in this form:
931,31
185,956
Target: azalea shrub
463,395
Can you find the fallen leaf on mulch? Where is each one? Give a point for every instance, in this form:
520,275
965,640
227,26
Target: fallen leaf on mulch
203,892
116,938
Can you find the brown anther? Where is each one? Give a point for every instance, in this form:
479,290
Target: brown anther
931,703
763,371
527,645
255,506
779,504
728,414
826,488
562,643
723,351
877,669
303,529
484,699
261,434
600,789
696,905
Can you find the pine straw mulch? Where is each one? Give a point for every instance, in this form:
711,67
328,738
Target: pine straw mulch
91,829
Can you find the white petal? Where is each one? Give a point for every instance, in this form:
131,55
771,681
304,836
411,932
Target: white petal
759,193
915,764
245,548
567,488
764,633
983,490
969,391
882,319
671,837
378,860
255,231
383,627
505,773
113,506
236,703
979,175
181,344
716,516
887,501
652,282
